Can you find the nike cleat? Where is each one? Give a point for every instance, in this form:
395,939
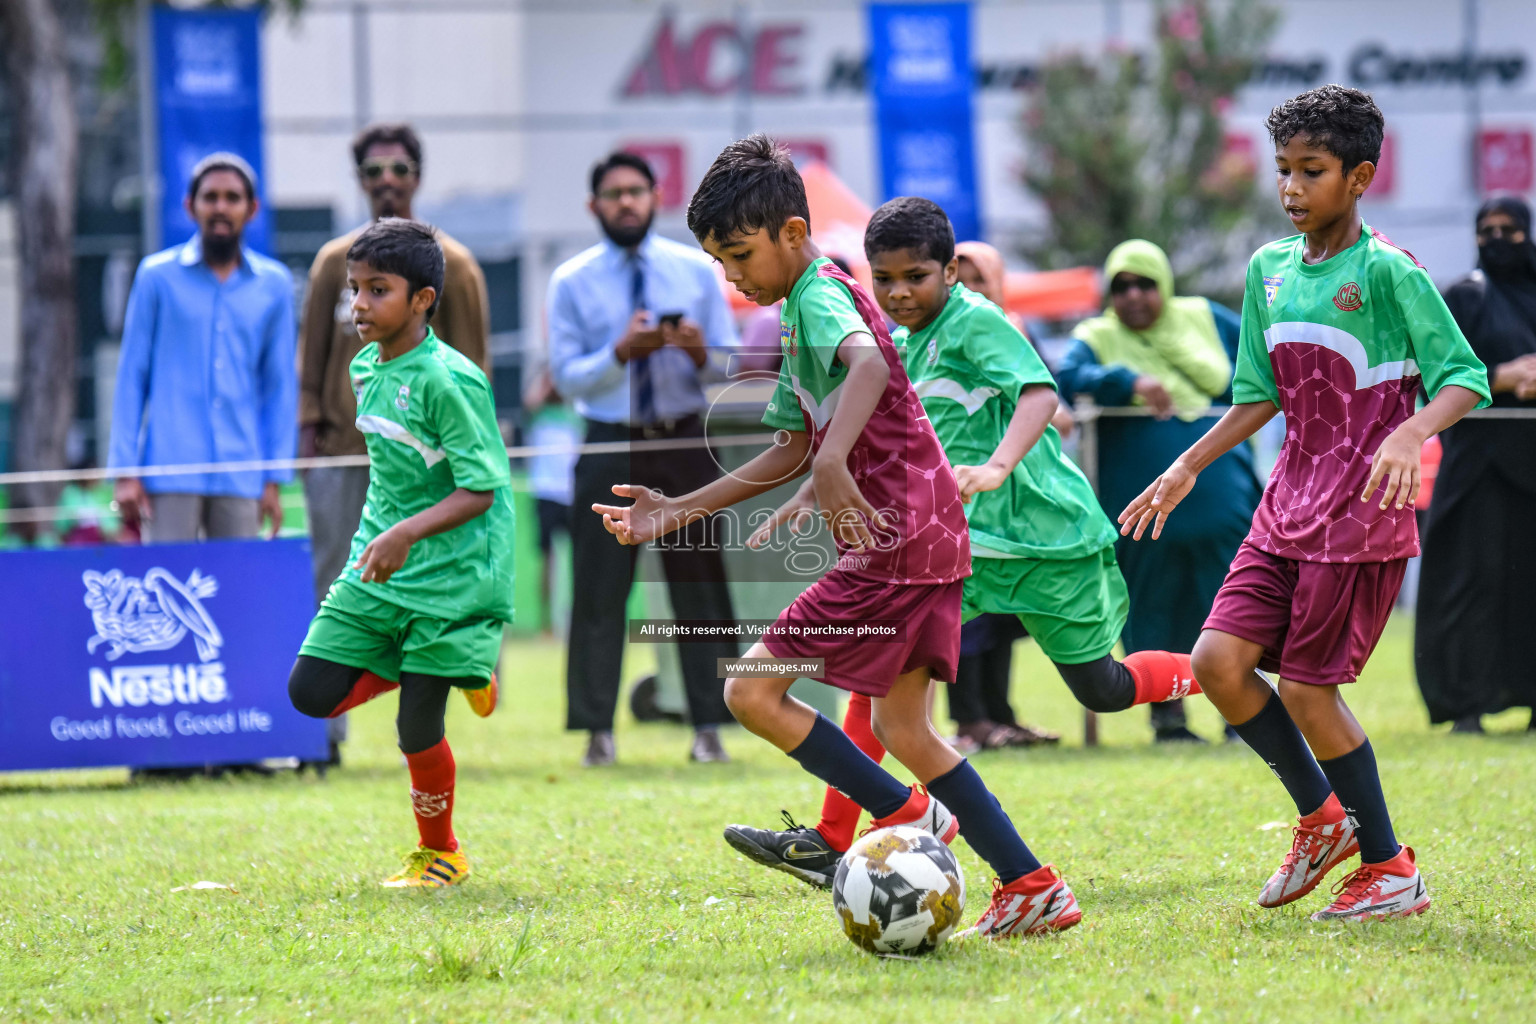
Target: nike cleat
430,869
1037,903
1393,888
924,812
483,701
799,851
1320,842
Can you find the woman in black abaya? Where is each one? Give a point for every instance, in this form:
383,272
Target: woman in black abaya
1477,591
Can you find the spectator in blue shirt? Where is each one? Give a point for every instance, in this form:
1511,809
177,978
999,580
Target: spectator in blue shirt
637,323
207,372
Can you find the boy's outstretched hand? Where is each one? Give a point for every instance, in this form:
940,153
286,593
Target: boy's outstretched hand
843,506
797,512
385,554
1154,504
649,517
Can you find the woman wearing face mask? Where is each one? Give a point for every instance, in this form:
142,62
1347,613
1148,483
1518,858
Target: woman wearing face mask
1477,602
1173,355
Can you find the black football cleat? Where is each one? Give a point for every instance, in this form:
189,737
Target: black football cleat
797,850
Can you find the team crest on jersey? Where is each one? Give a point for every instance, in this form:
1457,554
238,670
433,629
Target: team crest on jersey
1272,288
933,351
403,397
1348,298
787,333
357,388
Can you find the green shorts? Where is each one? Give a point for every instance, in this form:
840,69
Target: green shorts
1075,609
356,628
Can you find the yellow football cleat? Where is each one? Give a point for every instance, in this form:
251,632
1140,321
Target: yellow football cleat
483,701
430,869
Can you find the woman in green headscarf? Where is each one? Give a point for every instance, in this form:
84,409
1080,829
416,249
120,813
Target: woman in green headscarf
1173,355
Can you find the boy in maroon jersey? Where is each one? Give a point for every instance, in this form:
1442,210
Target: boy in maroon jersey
845,408
1341,329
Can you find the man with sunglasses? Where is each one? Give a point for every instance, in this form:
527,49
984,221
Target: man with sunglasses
636,322
388,159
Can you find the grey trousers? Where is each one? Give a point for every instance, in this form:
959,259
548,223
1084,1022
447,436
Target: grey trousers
180,518
334,497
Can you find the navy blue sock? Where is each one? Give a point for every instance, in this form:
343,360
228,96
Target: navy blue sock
1358,785
983,823
831,756
1275,738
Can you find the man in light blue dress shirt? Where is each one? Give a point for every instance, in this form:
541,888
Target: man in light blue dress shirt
206,372
637,325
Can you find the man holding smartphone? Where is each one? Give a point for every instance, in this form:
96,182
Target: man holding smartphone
637,323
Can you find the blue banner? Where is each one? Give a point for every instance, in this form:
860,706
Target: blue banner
921,83
153,656
207,99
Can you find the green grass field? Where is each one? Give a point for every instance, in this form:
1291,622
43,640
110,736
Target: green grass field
608,895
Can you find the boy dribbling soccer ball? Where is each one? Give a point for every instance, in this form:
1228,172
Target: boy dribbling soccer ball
422,604
1340,330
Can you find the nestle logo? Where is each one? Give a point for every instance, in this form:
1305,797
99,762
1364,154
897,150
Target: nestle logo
1348,298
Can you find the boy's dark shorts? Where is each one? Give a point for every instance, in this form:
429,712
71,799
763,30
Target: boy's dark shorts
1318,621
926,619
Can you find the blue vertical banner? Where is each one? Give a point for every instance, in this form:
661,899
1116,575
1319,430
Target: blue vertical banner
207,99
921,83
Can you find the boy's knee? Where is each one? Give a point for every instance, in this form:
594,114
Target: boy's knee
1215,667
1102,686
744,698
306,698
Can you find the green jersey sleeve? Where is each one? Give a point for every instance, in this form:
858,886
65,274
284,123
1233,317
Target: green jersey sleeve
827,316
1001,355
1440,349
783,411
466,427
1254,378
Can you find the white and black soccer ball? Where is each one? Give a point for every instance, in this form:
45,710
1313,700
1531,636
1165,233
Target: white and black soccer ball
898,890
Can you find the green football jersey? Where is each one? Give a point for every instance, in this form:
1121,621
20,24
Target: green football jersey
431,428
969,367
1342,347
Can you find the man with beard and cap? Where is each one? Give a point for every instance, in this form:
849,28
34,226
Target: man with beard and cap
388,158
633,323
1476,602
206,372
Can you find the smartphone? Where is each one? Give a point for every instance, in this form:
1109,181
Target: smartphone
672,319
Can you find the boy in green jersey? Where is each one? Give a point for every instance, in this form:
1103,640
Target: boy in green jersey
429,586
1041,547
1340,331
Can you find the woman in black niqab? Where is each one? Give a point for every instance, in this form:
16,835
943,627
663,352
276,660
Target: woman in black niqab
1477,589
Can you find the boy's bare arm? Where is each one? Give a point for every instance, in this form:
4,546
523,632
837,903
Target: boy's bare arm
653,514
1036,405
386,553
1397,460
842,504
1163,495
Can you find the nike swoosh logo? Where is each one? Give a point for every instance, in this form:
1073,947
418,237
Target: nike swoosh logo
793,852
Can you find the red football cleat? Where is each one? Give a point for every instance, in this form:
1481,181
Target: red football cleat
1320,842
1038,902
1393,888
924,812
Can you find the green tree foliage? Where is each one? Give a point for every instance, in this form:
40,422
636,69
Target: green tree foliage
1133,145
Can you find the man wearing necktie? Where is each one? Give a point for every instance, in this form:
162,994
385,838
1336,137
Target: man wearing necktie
632,325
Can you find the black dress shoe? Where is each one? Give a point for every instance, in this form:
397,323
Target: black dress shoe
599,750
707,748
1175,734
1468,723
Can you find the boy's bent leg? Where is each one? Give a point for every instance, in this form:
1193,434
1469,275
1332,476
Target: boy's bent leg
324,689
438,861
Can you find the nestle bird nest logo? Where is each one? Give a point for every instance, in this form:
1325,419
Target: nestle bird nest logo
155,612
1348,298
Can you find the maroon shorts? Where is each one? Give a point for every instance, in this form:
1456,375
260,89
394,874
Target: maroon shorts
920,628
1318,621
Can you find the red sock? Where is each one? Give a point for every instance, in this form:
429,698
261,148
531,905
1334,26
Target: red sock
840,815
1161,675
432,773
367,687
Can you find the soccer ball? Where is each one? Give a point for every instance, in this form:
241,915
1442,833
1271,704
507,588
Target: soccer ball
898,890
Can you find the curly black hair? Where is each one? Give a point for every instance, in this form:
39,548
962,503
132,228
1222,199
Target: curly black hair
909,222
751,185
408,248
1344,121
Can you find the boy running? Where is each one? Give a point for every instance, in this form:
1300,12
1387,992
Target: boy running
845,407
429,584
1340,330
1041,547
